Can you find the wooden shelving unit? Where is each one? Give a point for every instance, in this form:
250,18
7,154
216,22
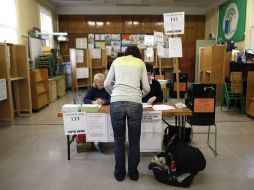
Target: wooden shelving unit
211,66
249,108
92,65
14,68
99,65
39,88
76,81
6,106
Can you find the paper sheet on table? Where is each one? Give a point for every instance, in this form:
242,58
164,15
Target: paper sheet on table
146,105
162,107
96,127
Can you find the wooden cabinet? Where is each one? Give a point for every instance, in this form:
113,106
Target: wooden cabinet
249,108
60,86
211,66
39,88
83,72
14,68
57,87
52,90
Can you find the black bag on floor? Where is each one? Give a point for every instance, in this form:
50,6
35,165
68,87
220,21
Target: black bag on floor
188,159
161,171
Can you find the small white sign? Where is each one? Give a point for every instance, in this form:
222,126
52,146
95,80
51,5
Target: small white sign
174,23
3,91
79,56
82,73
148,40
148,55
74,123
175,47
96,53
160,50
158,38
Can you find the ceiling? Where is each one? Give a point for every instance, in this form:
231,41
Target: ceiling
132,6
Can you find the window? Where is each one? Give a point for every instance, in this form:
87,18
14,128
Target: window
8,21
46,26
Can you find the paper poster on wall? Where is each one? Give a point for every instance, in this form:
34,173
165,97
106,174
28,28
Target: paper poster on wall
74,123
116,37
175,47
174,23
3,91
81,43
116,46
97,37
79,56
96,127
100,45
149,40
90,46
109,50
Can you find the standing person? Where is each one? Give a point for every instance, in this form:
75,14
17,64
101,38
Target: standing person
126,104
155,95
97,95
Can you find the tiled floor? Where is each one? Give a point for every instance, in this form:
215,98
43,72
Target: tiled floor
33,157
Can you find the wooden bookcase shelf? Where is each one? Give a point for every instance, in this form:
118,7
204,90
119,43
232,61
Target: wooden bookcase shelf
98,65
14,68
89,64
39,88
249,108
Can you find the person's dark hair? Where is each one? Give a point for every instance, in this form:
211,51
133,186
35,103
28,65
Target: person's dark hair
134,51
149,67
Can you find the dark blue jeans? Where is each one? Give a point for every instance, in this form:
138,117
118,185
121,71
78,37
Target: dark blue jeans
119,112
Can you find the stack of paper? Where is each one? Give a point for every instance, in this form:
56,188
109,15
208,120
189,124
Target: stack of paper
162,107
90,108
71,108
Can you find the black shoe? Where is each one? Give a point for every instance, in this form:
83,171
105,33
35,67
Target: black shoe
134,176
119,177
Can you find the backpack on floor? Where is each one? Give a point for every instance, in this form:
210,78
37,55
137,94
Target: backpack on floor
163,172
178,165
